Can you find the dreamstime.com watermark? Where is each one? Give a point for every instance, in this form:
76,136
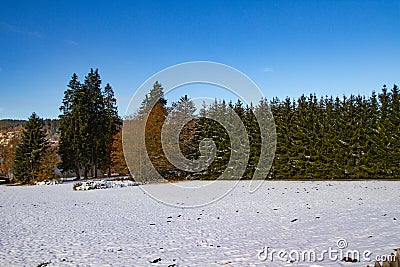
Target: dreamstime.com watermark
337,253
226,78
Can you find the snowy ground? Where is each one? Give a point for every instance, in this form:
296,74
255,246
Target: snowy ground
125,227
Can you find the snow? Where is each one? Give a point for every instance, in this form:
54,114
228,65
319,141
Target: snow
126,227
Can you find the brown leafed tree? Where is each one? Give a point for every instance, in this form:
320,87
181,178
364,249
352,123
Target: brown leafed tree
8,145
154,124
118,161
47,169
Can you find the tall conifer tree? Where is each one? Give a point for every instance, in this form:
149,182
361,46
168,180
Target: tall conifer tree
31,151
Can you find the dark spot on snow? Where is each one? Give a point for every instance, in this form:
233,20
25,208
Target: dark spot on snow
384,214
293,220
370,236
169,221
43,264
317,217
218,218
179,215
198,218
169,217
394,219
218,246
172,265
152,224
156,260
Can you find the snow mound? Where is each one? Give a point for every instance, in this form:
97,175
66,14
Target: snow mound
102,184
53,182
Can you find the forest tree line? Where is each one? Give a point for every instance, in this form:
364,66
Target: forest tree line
351,137
316,138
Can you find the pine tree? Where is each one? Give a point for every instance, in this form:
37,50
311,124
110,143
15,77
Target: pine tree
254,135
394,118
384,133
111,126
71,135
88,122
372,149
181,124
93,123
29,154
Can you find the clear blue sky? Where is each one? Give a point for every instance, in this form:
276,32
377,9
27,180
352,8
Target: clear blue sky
287,47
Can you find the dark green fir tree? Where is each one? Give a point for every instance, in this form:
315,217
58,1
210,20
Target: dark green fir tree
29,154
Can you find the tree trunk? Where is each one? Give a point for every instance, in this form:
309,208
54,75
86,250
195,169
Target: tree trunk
78,170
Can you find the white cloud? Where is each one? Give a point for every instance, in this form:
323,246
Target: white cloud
267,70
13,28
71,42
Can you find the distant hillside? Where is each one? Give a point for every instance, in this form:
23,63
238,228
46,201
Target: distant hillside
9,124
50,125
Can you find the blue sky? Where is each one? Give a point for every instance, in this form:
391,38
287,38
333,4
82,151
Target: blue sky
286,47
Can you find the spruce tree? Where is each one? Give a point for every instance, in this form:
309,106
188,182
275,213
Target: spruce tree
395,133
111,126
30,152
93,123
88,122
71,136
182,117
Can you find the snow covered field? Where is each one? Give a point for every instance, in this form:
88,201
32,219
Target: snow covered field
126,227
